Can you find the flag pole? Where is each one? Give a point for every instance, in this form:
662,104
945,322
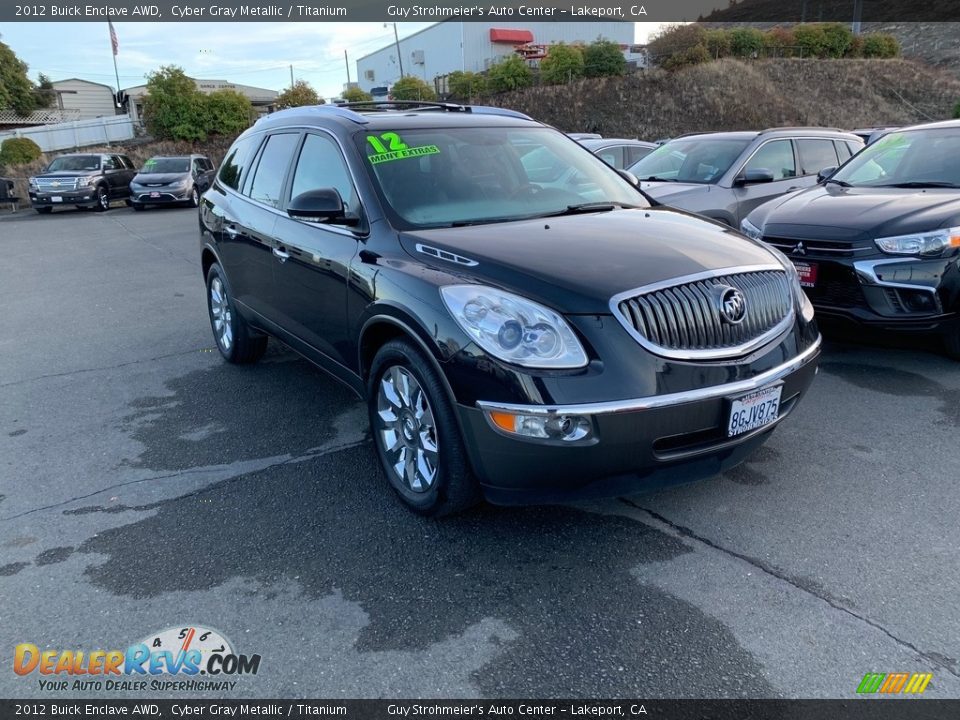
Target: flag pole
114,46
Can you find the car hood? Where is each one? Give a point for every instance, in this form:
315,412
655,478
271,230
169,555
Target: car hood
832,212
675,193
158,178
577,263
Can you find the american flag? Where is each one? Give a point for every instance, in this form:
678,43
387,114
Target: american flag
113,39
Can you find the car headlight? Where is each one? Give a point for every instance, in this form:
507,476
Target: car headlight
750,230
32,182
512,328
925,244
83,181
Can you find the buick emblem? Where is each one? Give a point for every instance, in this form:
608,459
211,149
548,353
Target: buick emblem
733,305
799,249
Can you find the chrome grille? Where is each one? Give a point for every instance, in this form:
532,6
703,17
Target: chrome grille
53,184
685,320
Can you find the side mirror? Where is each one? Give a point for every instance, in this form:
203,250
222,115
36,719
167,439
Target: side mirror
629,177
323,205
754,176
826,173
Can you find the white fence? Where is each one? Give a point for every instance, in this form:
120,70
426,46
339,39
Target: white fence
77,134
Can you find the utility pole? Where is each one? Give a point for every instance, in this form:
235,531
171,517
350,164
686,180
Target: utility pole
291,76
346,61
396,40
857,15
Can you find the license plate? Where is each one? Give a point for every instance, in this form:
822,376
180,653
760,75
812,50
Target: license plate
754,410
56,198
154,194
807,273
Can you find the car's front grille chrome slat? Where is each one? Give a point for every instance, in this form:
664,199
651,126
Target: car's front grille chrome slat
687,319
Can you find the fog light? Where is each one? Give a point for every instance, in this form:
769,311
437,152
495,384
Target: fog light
567,428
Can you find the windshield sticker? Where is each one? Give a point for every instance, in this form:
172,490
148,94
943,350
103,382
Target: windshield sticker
387,156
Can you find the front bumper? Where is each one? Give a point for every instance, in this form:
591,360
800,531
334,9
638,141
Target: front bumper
159,196
86,196
636,445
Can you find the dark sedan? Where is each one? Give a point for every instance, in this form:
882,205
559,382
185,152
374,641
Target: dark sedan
877,243
179,180
512,340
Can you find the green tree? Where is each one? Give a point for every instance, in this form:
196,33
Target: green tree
16,89
44,95
410,87
227,113
603,58
466,85
355,94
837,39
679,41
18,151
173,108
717,43
563,64
299,94
510,74
811,40
746,42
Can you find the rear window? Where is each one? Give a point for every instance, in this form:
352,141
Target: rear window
235,166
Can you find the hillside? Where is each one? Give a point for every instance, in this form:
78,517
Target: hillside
737,95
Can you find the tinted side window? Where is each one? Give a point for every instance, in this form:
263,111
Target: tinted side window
271,171
843,150
109,162
777,157
126,162
815,155
635,153
235,166
612,156
321,165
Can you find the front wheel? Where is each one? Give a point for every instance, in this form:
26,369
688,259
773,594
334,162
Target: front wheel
194,197
236,341
416,434
103,198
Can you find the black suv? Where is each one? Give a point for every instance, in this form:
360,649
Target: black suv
82,179
877,243
514,340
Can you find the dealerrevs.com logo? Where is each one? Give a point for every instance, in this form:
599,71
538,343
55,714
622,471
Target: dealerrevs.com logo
181,658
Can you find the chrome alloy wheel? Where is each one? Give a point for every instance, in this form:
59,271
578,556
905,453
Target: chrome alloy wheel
103,199
220,314
408,431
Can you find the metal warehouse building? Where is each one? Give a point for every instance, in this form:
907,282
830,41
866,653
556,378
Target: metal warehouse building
474,46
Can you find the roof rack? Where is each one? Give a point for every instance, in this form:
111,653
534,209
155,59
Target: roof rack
431,105
801,127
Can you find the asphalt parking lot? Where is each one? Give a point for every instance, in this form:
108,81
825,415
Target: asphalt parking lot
145,484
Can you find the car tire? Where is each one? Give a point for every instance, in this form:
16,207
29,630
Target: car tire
44,210
103,199
952,344
237,342
194,200
405,393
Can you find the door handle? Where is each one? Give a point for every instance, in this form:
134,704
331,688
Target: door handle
231,231
281,255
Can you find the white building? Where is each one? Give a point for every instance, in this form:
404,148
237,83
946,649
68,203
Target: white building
84,100
474,46
262,99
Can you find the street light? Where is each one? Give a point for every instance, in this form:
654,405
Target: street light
396,39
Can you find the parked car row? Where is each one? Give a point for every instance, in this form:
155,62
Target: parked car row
97,179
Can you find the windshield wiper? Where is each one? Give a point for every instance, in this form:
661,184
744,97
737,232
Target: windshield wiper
654,178
592,207
924,184
841,183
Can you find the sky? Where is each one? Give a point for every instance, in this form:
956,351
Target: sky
258,54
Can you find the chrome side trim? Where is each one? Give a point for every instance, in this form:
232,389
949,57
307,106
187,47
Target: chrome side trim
866,270
660,401
711,353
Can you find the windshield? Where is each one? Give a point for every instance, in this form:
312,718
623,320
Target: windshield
691,160
451,176
916,158
166,165
75,162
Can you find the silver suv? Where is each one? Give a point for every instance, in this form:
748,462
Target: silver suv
725,175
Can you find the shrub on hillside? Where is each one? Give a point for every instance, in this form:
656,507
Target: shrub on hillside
18,151
563,64
880,45
811,40
510,74
674,41
746,42
779,42
603,58
718,43
691,56
836,39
